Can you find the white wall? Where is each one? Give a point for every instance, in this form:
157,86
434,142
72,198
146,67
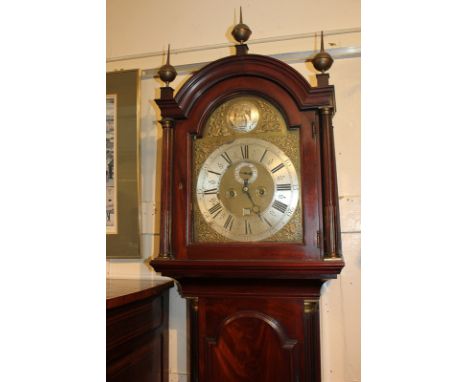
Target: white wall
143,26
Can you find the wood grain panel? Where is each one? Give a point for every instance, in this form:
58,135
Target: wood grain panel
247,342
253,339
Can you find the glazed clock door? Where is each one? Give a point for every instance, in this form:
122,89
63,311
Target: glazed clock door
246,176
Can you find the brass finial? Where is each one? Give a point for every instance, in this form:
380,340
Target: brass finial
322,61
167,72
241,32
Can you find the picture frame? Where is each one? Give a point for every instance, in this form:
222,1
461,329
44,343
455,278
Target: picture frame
123,164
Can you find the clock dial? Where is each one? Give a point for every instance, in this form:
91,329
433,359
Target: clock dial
247,189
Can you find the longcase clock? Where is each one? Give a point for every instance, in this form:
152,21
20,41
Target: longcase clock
249,214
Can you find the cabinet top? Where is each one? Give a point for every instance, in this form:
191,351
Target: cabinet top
120,292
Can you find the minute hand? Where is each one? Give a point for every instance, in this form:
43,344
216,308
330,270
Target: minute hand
248,194
245,190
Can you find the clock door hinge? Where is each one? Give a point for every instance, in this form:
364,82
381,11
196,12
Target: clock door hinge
319,239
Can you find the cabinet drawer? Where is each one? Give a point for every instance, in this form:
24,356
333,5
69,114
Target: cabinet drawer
129,321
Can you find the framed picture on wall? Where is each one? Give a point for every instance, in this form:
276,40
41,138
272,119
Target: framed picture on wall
111,164
122,165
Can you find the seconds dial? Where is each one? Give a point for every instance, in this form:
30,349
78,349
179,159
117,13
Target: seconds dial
247,190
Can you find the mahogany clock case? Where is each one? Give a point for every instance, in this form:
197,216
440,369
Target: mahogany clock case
253,306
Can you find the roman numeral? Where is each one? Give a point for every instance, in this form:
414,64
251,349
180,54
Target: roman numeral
216,209
226,157
214,172
277,168
229,222
280,206
210,191
283,187
266,220
263,156
248,229
245,152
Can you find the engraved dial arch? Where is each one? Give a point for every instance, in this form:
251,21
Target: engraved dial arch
247,189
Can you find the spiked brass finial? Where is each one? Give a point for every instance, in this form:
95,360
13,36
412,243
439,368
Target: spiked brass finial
241,32
167,72
322,61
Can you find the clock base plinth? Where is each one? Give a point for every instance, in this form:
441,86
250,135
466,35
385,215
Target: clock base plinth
254,330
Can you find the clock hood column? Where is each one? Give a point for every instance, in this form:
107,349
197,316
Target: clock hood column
322,61
167,73
332,236
165,247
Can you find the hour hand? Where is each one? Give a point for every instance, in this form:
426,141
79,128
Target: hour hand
255,208
245,190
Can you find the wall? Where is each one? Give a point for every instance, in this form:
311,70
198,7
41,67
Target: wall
143,26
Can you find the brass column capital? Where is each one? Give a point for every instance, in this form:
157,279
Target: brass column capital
326,110
310,306
167,122
193,303
164,256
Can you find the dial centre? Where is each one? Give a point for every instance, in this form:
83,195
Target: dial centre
246,176
246,172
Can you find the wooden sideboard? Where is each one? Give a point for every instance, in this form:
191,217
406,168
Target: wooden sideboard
137,330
